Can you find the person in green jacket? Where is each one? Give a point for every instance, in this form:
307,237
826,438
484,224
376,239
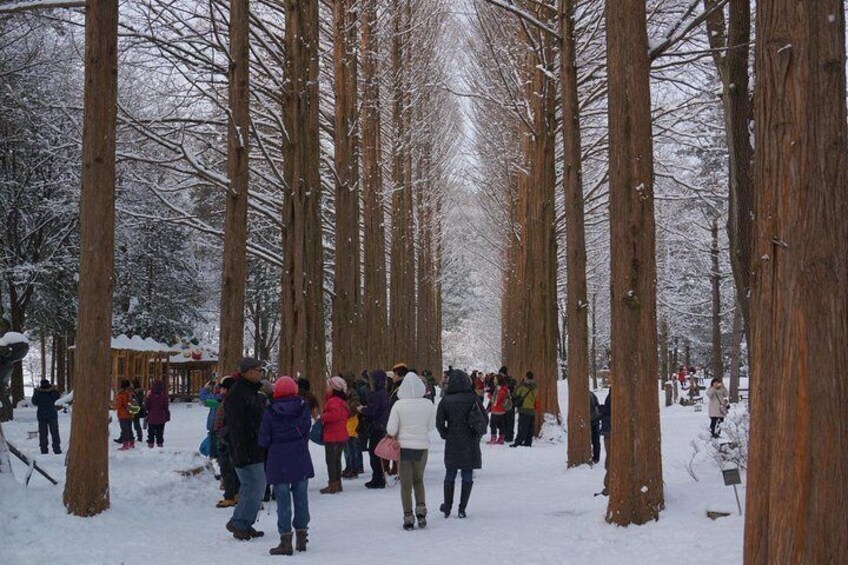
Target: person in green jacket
525,399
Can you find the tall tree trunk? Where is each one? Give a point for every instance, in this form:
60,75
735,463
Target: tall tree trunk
302,345
402,305
577,302
61,362
797,496
636,487
664,357
715,280
87,485
537,194
346,339
731,53
594,340
234,266
374,311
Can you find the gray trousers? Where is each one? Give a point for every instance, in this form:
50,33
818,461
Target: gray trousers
412,478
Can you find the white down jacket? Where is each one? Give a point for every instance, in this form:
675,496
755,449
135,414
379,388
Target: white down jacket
413,417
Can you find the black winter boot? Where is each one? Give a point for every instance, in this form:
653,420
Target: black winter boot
464,495
421,515
285,547
445,508
408,521
302,539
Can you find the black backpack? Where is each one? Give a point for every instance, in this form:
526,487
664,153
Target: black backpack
477,420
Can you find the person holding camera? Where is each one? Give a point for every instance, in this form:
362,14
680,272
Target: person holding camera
718,396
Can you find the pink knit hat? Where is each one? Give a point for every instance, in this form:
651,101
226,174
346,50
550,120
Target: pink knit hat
284,386
338,383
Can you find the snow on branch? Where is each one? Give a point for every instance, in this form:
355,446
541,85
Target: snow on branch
525,16
17,7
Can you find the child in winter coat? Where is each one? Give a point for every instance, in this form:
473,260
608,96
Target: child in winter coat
158,413
718,396
138,400
498,410
288,466
411,420
125,418
335,437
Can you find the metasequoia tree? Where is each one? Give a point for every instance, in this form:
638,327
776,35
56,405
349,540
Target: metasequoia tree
636,489
87,485
729,41
402,276
374,302
797,500
234,266
347,341
302,341
577,303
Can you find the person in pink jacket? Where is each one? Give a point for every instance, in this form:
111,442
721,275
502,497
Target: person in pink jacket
334,416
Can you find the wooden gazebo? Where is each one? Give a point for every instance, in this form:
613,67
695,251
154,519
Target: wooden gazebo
190,369
139,358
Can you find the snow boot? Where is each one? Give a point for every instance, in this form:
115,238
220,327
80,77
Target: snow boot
375,484
285,547
493,440
464,495
132,444
125,446
421,515
445,508
408,521
242,535
302,539
159,445
332,488
500,440
149,446
226,503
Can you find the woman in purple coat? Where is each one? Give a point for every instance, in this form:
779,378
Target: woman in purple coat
156,406
288,466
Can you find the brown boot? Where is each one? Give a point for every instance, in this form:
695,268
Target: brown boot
285,547
302,539
332,488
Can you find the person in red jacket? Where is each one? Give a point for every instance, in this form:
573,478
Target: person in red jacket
334,416
125,417
496,406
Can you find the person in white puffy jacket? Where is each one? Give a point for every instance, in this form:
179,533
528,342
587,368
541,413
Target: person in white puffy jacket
411,420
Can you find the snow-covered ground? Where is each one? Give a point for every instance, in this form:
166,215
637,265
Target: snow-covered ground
526,508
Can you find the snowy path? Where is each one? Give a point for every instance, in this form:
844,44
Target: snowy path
526,508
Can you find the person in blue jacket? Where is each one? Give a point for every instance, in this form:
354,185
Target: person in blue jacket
606,426
284,432
44,398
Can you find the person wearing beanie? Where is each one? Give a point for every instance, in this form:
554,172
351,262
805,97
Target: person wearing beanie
285,434
375,415
411,420
334,416
244,409
303,390
44,398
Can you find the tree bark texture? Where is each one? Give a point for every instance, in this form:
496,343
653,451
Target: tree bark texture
730,42
374,304
636,488
735,355
715,280
537,193
302,342
346,316
577,300
234,265
797,499
402,305
87,484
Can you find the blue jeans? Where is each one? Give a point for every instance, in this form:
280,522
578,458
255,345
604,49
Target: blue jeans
285,493
252,479
467,475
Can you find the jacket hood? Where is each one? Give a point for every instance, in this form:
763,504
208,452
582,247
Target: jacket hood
286,407
411,387
378,378
458,381
158,387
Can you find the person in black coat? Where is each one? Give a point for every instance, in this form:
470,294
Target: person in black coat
375,416
44,398
243,412
606,426
595,426
462,444
509,415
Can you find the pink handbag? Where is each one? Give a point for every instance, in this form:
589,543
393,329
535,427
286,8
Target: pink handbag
388,448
